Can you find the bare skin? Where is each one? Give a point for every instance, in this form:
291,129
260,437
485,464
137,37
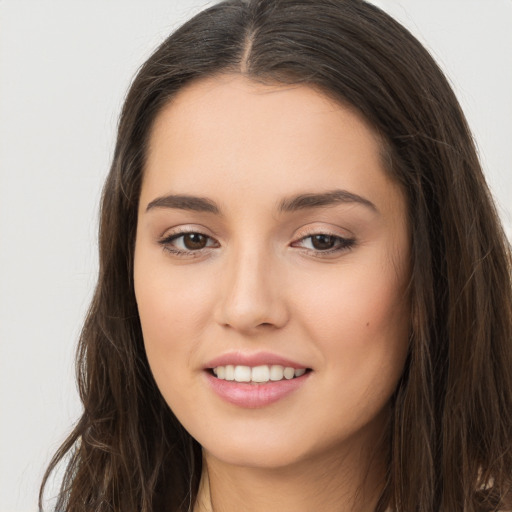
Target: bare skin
269,228
340,485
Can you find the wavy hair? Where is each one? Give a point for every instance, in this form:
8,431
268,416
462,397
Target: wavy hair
449,445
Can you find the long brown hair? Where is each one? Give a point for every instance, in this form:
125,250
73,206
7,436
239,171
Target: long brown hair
450,432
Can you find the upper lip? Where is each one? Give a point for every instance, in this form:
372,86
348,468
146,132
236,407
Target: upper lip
256,359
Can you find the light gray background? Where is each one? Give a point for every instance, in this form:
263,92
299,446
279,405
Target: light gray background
64,69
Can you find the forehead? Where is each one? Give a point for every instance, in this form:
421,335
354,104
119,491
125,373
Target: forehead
236,102
276,140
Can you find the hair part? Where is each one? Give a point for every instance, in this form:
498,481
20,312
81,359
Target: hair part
449,444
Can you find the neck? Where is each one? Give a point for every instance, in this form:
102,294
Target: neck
348,483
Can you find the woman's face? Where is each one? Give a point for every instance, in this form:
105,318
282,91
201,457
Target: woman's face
271,243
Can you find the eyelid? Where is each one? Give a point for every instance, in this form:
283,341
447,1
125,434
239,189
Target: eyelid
344,243
179,229
322,229
175,233
347,241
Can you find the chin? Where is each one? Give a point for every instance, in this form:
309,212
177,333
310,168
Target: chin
256,456
268,447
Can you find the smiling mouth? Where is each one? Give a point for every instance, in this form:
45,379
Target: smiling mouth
257,374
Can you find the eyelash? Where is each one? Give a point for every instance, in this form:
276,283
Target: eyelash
167,246
342,244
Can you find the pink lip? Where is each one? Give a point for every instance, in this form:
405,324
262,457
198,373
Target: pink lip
257,359
250,395
253,396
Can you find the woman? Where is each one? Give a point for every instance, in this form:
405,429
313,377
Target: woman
305,297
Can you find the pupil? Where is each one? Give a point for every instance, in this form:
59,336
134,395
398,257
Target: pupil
323,242
194,241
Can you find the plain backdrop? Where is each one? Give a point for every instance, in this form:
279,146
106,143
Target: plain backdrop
64,69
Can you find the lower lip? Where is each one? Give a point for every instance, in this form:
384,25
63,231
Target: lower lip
253,396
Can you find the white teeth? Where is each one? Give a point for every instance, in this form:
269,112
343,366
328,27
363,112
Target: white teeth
242,373
258,374
276,372
289,373
230,372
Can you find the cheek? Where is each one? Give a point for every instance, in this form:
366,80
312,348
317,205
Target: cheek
172,310
360,320
170,334
171,301
353,303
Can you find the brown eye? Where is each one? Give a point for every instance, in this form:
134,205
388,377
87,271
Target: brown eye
323,242
194,241
187,243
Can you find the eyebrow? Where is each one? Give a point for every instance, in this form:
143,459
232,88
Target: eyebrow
184,202
330,198
299,202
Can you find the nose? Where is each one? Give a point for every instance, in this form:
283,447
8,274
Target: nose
252,294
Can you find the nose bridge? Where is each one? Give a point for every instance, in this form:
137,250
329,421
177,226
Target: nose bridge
251,293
